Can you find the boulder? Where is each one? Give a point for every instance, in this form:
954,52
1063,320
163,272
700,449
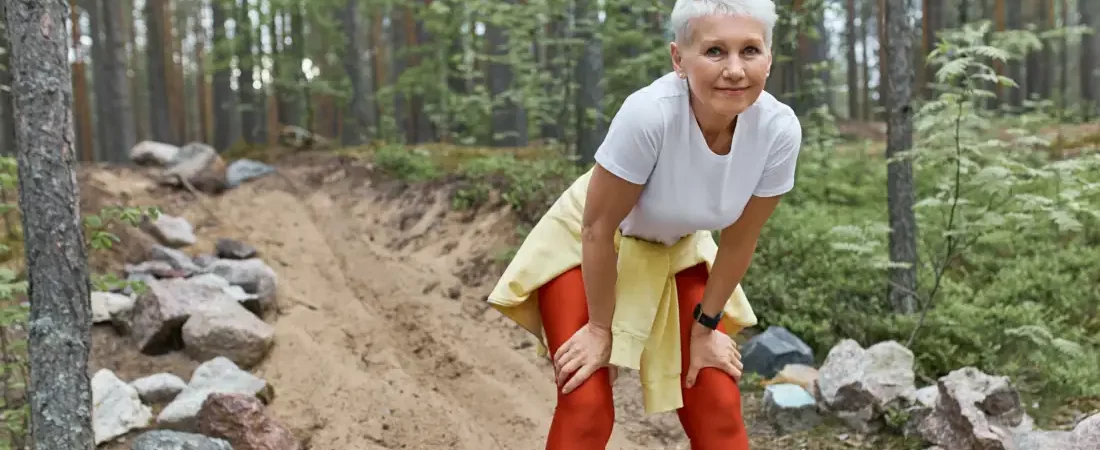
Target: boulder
253,275
158,388
226,328
789,408
768,352
233,249
859,385
161,311
117,409
975,411
243,421
218,375
177,440
170,230
153,153
200,165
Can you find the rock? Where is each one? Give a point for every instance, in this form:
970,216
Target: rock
176,258
171,230
853,379
255,276
218,375
242,170
200,165
152,152
157,388
233,249
109,306
789,408
243,421
251,302
1086,435
161,311
1042,440
116,409
204,260
768,352
155,270
975,411
177,440
227,329
925,401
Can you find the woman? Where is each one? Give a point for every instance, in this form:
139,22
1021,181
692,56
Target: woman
622,270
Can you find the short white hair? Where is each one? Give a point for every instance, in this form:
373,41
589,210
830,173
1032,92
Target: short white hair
686,10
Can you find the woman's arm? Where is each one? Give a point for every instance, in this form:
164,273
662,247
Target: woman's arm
735,249
608,201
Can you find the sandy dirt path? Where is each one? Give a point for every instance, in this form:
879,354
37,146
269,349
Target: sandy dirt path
383,340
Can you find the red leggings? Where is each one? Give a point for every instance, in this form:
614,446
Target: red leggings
711,415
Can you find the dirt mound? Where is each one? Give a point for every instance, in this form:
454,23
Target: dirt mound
383,338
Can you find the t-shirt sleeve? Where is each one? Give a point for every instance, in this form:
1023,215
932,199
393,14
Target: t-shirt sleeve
633,140
778,178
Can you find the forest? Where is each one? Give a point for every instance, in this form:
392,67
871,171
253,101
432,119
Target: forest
948,189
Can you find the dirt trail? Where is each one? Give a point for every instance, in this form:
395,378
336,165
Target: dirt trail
383,340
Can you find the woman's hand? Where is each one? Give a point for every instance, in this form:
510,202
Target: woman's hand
585,352
712,348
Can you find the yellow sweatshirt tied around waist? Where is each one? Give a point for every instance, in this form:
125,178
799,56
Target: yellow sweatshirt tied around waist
646,327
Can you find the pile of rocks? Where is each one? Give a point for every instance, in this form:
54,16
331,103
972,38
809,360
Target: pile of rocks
211,307
221,408
196,164
872,389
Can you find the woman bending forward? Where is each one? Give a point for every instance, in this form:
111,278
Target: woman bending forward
622,270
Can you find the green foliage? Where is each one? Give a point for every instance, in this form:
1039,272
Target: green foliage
1009,251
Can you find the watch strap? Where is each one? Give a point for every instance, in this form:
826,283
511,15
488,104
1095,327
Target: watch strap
705,320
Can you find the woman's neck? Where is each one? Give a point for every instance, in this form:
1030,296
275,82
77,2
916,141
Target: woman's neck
716,128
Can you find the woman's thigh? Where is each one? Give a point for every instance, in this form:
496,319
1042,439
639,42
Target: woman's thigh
711,415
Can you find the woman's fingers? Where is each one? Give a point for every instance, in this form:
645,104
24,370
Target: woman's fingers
569,367
582,375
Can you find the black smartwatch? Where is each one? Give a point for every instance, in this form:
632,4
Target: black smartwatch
705,320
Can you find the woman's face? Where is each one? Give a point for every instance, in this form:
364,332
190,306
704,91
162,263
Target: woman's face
725,62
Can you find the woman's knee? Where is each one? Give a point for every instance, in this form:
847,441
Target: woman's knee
590,409
712,415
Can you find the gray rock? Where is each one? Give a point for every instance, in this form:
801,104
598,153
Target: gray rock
216,375
161,311
157,388
789,408
177,440
152,152
108,306
1086,435
227,329
117,408
233,249
975,411
251,302
171,230
1043,440
176,258
253,275
860,385
243,170
768,352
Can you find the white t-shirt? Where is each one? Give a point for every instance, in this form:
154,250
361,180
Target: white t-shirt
655,140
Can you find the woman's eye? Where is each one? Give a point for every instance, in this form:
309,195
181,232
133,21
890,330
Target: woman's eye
752,50
714,51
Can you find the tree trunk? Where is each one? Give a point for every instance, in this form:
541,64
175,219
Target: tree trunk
82,110
1090,52
100,58
222,102
591,124
246,93
122,134
853,68
361,90
899,181
160,122
59,332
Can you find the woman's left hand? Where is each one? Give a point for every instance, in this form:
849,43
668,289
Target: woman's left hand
712,348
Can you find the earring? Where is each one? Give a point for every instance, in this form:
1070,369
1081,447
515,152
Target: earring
682,75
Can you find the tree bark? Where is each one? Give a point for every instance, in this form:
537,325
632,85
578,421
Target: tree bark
362,95
899,181
853,68
60,319
122,135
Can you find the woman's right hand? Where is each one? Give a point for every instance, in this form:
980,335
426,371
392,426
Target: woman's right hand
588,350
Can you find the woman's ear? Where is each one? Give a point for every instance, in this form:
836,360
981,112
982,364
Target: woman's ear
674,53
